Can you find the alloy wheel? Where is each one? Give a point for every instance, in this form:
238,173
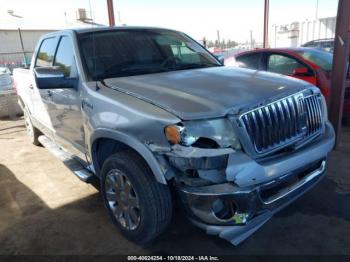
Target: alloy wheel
122,199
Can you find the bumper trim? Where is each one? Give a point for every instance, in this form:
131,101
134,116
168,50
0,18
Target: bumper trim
301,183
236,234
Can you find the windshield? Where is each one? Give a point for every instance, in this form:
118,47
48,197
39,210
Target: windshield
116,53
321,58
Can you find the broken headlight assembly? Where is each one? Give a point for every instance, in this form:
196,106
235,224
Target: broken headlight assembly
212,133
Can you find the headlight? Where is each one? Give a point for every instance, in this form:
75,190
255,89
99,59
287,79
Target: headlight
203,133
177,135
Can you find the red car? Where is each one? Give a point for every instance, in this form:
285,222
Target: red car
308,64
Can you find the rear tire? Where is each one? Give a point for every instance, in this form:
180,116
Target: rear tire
138,205
32,131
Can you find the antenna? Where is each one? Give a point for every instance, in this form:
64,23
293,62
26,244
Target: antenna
65,19
119,18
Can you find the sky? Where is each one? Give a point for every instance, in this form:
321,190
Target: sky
233,18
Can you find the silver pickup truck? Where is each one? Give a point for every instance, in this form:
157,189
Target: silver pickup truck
156,117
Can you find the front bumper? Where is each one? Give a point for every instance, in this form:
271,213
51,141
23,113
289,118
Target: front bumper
253,209
267,188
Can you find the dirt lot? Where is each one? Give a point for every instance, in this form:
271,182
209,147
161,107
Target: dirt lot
45,209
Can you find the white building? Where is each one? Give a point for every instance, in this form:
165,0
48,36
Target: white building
19,36
298,33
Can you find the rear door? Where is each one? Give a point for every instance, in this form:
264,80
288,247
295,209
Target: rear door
42,98
285,64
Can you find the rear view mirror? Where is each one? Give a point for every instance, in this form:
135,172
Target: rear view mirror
52,78
301,71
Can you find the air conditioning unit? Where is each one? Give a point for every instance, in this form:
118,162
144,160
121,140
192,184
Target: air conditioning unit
294,30
82,15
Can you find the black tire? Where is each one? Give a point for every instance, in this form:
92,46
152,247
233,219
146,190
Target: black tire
154,199
32,131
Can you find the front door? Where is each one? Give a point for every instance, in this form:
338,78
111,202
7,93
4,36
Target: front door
68,116
57,107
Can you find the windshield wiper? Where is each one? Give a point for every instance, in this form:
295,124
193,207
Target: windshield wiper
131,72
192,66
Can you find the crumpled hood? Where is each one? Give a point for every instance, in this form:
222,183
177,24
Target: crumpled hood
208,92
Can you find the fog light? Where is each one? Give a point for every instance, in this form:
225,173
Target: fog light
224,209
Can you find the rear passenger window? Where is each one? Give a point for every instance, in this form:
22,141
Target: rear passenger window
46,52
249,61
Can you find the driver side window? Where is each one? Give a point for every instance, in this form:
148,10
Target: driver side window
46,52
64,58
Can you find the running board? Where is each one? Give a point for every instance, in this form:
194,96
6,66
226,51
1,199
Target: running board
70,161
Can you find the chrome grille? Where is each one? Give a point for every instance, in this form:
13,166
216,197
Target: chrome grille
286,121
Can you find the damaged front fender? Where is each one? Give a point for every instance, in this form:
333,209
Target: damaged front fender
202,163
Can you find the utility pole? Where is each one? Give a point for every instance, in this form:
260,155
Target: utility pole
119,18
266,24
307,30
110,13
22,46
218,32
12,13
316,10
251,39
339,69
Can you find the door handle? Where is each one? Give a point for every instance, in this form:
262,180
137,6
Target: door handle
31,86
49,93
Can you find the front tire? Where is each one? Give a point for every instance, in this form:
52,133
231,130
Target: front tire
138,205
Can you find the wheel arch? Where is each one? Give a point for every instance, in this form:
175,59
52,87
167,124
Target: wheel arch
104,142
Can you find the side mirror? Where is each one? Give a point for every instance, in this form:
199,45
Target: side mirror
221,58
53,78
301,71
